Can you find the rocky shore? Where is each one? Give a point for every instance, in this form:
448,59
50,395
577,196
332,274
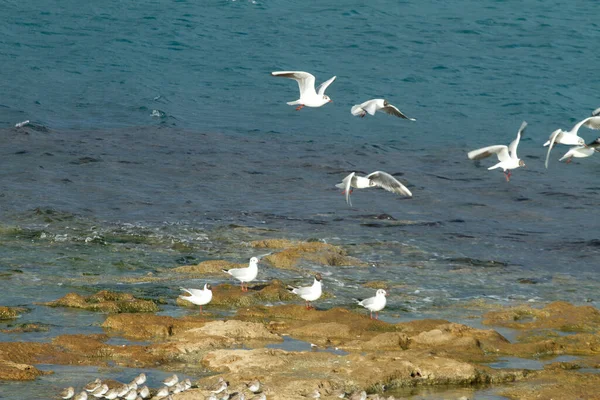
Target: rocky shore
267,334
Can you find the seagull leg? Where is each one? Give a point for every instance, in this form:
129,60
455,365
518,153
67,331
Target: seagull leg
363,114
371,315
201,310
376,314
299,107
507,175
569,160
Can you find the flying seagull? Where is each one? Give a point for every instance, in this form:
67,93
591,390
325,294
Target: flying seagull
309,97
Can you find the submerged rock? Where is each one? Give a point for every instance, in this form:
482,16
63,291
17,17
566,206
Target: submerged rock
105,301
11,312
291,253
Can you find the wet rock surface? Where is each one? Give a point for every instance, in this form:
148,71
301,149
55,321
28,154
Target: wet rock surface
105,301
11,312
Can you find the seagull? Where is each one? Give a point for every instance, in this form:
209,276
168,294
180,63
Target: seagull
309,97
374,105
67,393
376,303
571,137
309,293
245,275
198,297
506,155
377,178
582,151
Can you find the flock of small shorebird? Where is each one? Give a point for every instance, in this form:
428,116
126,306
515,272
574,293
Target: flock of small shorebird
311,97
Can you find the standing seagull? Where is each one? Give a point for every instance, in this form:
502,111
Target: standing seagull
309,293
507,155
374,105
198,297
582,151
376,303
571,137
309,97
245,275
377,178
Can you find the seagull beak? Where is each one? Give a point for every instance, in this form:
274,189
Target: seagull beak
330,101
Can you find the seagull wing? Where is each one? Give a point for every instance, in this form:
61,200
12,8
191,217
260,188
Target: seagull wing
323,86
306,81
596,112
389,183
370,106
367,302
500,150
592,122
512,148
193,292
393,110
346,185
552,140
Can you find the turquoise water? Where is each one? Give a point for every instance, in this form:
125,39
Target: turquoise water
156,130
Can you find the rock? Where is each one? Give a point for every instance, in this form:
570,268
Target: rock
555,384
291,253
11,312
208,267
146,326
10,371
231,295
558,315
105,301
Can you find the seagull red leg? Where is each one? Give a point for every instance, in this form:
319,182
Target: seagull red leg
299,107
569,160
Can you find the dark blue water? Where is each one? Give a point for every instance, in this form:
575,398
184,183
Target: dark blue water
97,184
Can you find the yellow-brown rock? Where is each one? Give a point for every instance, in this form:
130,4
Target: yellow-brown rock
558,315
209,267
11,312
147,326
556,384
10,371
105,301
291,253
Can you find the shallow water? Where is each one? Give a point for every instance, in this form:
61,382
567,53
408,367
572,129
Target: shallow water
97,192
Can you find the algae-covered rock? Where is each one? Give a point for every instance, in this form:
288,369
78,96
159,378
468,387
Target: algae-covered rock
11,371
209,267
11,312
229,295
290,253
105,301
555,384
147,326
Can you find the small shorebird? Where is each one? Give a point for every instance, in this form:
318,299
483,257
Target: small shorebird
99,392
199,297
95,384
309,293
245,275
140,379
131,395
362,395
571,137
582,151
67,393
506,155
253,386
162,392
309,97
219,387
144,392
81,396
374,179
170,381
374,105
111,394
376,303
122,390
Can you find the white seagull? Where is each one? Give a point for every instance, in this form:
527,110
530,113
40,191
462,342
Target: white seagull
309,293
245,275
377,178
582,151
309,97
571,137
374,105
199,297
506,155
376,303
